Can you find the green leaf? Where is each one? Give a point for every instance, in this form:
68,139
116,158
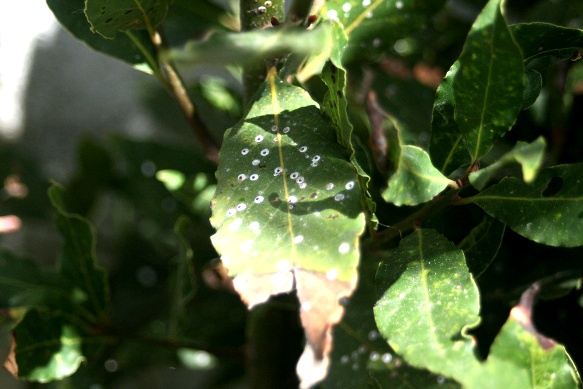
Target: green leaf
287,207
373,26
108,17
528,155
430,300
416,180
360,353
549,210
544,39
47,348
533,83
482,243
78,264
335,105
520,357
138,51
446,148
488,87
246,48
24,285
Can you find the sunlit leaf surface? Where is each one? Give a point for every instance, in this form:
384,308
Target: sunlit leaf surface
488,87
287,209
549,210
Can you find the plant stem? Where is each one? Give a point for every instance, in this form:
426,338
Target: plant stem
255,15
175,86
411,221
166,73
235,353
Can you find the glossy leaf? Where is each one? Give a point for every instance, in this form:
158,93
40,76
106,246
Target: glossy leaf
247,48
544,39
373,26
416,180
488,87
430,299
287,207
70,15
482,243
78,264
549,210
360,353
47,348
446,148
108,17
528,155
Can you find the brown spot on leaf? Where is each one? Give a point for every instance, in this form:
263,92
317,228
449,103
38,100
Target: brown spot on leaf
322,297
522,314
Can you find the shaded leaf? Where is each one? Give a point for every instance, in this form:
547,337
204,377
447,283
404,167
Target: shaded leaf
78,264
533,83
373,26
47,348
24,285
446,148
488,87
549,210
246,48
482,243
70,15
184,285
528,155
544,39
430,299
287,206
108,17
416,180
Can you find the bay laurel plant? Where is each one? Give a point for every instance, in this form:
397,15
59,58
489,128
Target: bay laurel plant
401,178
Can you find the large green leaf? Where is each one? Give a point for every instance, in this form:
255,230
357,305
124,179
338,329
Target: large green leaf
549,210
137,50
430,299
446,148
108,17
488,87
528,155
544,39
78,264
287,207
416,180
47,348
246,48
373,26
360,353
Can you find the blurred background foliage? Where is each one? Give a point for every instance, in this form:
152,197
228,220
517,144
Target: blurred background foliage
114,184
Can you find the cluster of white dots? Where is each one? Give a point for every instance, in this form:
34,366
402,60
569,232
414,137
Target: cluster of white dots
296,176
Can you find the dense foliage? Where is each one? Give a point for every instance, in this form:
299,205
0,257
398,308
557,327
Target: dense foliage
397,200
